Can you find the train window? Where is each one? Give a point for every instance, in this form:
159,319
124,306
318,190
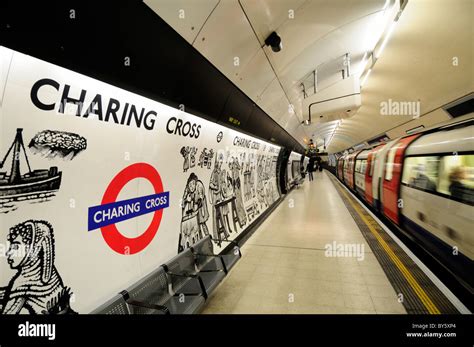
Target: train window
363,166
389,165
456,177
421,172
358,164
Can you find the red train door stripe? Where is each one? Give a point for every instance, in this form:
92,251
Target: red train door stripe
391,180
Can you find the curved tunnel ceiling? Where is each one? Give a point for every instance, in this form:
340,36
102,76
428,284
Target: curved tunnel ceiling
413,66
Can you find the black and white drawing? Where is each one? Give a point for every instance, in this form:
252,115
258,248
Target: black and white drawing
192,157
37,287
266,190
205,158
252,210
53,143
259,185
249,178
235,168
253,173
34,186
219,137
195,213
221,193
242,160
272,175
189,155
247,186
261,180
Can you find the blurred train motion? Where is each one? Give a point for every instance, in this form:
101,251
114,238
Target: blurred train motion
424,184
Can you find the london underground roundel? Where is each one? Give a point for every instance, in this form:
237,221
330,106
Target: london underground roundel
110,211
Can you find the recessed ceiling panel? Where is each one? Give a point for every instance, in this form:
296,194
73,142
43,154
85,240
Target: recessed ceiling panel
227,40
269,15
186,17
273,100
256,76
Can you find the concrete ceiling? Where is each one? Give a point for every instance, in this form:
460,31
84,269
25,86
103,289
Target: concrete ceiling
416,64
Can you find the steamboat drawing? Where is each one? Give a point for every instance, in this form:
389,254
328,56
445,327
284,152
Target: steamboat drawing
37,185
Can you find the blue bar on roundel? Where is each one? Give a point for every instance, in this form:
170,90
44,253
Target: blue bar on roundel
103,215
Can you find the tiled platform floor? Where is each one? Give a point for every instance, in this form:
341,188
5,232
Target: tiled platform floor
284,268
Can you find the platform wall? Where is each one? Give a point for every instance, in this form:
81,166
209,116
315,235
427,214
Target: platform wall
122,184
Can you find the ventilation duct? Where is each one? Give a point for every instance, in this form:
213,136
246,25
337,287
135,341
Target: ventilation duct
339,101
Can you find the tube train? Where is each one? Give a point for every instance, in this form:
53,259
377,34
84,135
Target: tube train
424,184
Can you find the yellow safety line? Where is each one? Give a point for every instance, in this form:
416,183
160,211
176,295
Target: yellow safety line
432,309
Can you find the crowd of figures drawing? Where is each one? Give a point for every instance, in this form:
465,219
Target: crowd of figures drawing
233,205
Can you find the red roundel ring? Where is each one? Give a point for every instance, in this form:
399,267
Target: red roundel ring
110,233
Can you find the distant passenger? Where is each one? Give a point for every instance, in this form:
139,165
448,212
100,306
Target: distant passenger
457,189
318,164
309,168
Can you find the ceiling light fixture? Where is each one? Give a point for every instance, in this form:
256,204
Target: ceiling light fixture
394,12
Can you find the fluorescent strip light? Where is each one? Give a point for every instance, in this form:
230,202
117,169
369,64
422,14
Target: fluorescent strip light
385,40
363,62
415,130
333,132
365,77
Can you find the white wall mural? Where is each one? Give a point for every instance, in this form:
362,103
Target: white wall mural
99,186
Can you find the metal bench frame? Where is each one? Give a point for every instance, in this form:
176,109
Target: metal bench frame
186,277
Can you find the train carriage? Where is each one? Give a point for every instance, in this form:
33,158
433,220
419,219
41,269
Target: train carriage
437,194
391,179
360,172
340,168
423,183
377,173
369,193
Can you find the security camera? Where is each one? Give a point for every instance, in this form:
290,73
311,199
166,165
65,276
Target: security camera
274,41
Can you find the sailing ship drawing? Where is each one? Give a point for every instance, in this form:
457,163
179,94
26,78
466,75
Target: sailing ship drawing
34,186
